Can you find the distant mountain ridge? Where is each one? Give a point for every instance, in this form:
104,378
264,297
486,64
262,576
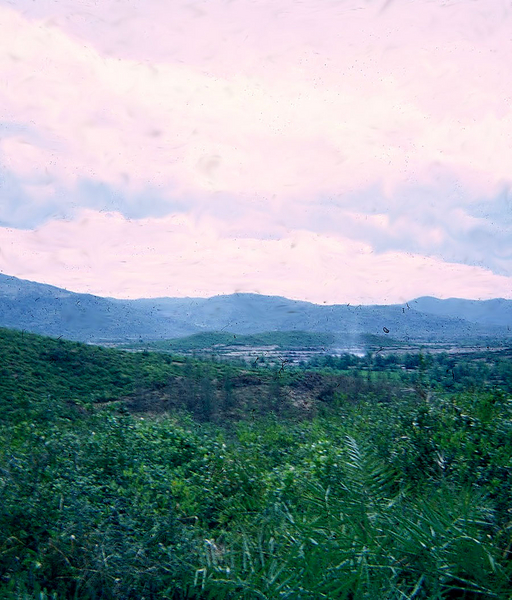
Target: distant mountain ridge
253,313
45,309
49,310
496,312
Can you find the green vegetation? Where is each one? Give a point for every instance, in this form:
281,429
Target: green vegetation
145,475
217,339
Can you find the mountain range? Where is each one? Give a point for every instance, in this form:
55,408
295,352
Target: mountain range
49,310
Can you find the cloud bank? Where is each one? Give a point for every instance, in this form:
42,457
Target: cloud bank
378,135
180,256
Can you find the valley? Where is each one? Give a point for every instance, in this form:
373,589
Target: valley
251,464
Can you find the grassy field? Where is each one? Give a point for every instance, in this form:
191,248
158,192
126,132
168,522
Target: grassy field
147,475
219,339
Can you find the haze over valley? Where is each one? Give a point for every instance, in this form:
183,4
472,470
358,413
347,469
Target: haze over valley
48,310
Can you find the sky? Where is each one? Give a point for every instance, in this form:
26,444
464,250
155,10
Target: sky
335,151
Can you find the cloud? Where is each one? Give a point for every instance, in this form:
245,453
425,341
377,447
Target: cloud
294,129
385,133
443,222
27,203
109,255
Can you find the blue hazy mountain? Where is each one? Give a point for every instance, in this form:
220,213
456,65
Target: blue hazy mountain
254,313
49,310
496,312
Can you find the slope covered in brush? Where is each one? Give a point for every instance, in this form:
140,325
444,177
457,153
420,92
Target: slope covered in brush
383,491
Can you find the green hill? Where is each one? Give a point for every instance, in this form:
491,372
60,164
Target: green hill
149,475
216,340
36,369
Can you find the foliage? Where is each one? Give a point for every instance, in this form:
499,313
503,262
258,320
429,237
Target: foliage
392,484
219,342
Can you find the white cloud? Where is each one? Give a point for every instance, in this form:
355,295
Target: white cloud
251,117
108,255
119,120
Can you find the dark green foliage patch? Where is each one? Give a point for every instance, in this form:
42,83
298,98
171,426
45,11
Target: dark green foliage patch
139,475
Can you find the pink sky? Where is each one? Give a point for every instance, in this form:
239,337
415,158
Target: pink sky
327,151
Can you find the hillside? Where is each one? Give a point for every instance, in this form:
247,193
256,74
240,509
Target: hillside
216,341
253,313
496,312
35,369
145,475
52,311
48,310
